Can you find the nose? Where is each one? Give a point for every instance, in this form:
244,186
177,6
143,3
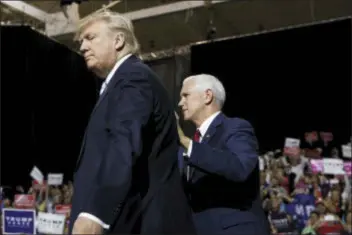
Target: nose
83,47
180,104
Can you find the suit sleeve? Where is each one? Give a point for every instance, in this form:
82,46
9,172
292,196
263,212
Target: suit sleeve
235,161
130,110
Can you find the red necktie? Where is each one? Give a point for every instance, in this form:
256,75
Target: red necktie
197,136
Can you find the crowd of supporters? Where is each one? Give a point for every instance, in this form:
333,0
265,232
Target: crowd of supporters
296,198
301,199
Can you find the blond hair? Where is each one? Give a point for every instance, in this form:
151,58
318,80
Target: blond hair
115,22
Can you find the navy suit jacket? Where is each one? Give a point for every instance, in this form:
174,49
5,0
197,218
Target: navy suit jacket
223,189
128,161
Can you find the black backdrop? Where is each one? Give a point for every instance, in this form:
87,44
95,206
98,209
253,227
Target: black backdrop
286,82
46,98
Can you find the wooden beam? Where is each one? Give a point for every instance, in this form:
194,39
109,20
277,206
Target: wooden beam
27,9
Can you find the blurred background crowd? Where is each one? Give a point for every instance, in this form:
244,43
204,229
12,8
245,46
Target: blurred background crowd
42,198
297,197
301,199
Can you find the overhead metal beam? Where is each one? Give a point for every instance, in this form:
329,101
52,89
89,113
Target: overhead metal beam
59,25
166,9
27,9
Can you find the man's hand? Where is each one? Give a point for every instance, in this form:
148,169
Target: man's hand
84,225
184,140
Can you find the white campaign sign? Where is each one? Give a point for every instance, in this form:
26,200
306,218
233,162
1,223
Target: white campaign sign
55,179
333,166
261,164
292,147
37,175
346,151
50,223
291,142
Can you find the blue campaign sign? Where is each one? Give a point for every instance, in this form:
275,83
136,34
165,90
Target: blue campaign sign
17,221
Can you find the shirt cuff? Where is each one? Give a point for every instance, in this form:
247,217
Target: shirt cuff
95,219
189,151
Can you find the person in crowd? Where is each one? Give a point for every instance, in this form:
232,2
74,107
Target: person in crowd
312,223
329,224
221,163
280,221
6,203
333,201
127,179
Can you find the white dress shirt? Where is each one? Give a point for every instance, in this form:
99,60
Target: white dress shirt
102,89
202,129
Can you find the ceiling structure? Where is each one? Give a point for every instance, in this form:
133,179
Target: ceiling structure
170,24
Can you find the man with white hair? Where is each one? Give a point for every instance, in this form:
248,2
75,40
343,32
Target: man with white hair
127,180
221,163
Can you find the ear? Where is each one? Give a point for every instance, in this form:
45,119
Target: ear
209,96
120,41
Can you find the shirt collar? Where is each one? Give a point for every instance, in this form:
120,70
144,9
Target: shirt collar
205,125
117,65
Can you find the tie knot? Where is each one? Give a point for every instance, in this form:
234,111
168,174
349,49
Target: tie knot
197,136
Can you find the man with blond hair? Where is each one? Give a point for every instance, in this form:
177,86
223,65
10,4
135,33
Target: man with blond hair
127,180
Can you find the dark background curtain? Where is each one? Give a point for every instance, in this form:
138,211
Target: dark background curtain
46,98
285,83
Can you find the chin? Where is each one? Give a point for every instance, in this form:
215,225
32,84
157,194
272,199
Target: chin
91,62
186,117
90,66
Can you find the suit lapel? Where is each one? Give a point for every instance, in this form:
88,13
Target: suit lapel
213,127
124,67
209,134
81,150
101,97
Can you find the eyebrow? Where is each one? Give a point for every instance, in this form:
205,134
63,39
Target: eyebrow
86,35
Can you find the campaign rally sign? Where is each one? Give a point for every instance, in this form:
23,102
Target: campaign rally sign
63,209
18,221
51,223
300,208
24,201
37,175
55,179
36,185
292,147
331,166
346,151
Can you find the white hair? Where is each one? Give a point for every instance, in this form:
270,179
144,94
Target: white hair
204,82
116,23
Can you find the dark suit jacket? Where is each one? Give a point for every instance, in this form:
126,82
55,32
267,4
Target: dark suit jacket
224,185
129,153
